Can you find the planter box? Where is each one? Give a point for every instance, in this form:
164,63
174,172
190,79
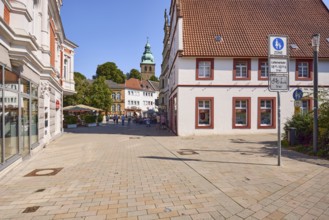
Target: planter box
91,124
72,126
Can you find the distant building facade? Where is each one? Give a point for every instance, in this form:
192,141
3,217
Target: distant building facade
36,61
118,97
214,77
140,96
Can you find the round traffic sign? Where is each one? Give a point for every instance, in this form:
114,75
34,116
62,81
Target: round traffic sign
278,43
298,94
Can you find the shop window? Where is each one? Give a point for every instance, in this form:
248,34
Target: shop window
11,80
204,69
304,70
241,112
204,112
263,69
266,112
25,86
241,69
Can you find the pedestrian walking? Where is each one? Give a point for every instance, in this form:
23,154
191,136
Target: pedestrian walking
129,120
123,120
158,122
163,122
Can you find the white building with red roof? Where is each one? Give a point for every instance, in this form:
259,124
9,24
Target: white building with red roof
214,76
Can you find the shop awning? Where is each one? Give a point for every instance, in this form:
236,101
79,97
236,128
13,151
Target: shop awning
4,57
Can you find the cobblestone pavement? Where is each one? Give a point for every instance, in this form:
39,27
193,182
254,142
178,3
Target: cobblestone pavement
135,172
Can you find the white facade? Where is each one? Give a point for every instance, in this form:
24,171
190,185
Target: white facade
34,49
224,90
143,100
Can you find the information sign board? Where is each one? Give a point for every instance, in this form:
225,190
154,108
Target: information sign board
279,82
278,65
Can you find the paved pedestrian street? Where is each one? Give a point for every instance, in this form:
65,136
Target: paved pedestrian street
137,172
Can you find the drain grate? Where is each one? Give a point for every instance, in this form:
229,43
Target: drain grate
134,138
44,172
187,152
40,190
31,209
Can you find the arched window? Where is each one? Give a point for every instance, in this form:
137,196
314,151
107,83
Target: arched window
118,107
145,68
150,68
113,108
118,96
113,96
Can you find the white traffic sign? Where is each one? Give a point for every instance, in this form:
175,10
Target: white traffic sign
278,46
298,103
278,82
278,65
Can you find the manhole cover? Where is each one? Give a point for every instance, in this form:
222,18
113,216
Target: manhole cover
31,209
187,152
44,172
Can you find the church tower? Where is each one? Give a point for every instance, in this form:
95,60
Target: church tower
147,64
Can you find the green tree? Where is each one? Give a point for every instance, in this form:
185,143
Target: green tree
154,78
82,91
134,74
100,94
111,72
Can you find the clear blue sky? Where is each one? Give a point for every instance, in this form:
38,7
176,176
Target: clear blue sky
115,31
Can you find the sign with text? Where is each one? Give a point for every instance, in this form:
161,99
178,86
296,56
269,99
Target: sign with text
278,65
279,82
278,46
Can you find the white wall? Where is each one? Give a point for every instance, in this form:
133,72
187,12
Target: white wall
223,104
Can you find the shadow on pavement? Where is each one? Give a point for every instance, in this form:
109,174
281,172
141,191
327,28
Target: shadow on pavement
207,161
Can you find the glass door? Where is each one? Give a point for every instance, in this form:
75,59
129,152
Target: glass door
25,127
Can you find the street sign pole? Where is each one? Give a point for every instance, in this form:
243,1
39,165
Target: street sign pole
279,129
278,57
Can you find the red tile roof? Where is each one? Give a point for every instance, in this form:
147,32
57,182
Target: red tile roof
245,24
136,84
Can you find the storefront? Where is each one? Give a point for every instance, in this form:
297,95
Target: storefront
19,132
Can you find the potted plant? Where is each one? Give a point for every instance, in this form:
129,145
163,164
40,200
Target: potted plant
70,121
90,120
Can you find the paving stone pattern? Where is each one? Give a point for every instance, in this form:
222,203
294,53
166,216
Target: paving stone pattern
136,172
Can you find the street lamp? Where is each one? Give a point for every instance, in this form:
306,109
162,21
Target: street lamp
315,45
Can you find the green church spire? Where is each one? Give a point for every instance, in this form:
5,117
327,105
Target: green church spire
147,57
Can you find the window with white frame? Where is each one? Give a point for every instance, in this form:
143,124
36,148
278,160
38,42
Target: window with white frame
303,70
263,69
266,112
113,96
118,107
118,96
241,113
241,68
306,106
113,108
204,117
204,69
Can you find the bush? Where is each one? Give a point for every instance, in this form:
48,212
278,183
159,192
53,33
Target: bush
70,119
304,128
90,119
